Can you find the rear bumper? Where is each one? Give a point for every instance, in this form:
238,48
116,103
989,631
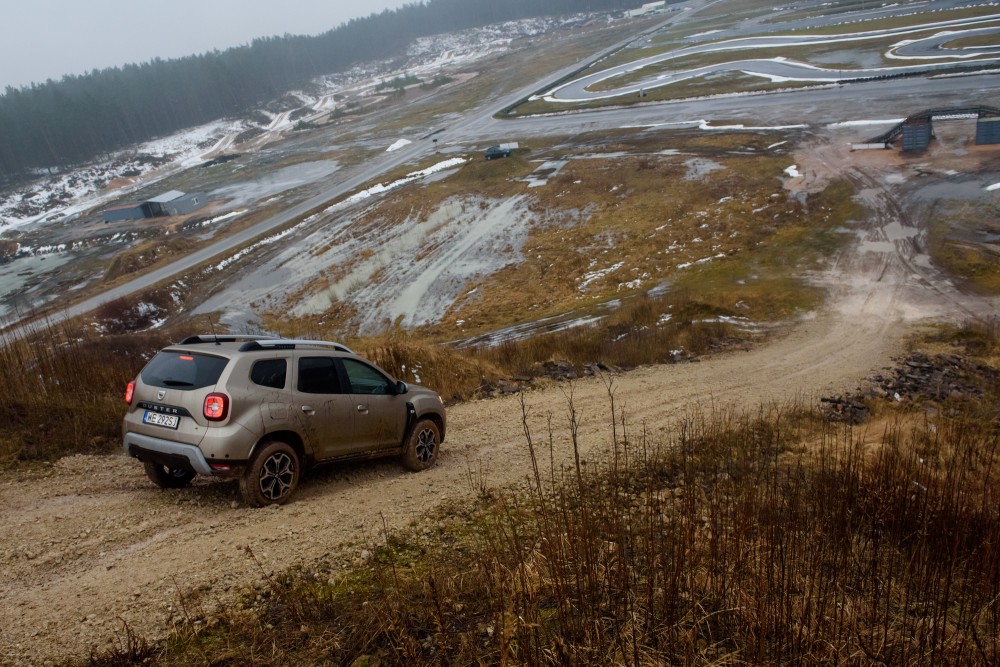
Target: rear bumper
172,454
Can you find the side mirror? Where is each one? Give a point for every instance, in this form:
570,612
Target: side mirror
401,388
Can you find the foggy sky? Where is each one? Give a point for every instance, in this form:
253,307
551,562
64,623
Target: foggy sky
43,39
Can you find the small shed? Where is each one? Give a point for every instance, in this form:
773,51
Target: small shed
124,212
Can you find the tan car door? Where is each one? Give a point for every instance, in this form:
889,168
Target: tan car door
380,415
326,410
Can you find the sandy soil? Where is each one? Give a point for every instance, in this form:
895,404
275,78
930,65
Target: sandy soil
89,542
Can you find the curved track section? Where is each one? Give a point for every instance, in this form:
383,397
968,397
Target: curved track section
922,49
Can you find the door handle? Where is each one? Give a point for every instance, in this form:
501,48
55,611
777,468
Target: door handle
308,409
362,408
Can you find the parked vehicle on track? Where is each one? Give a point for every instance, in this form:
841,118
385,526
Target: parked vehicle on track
264,409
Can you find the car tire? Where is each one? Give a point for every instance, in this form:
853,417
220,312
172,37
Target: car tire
272,475
422,445
166,477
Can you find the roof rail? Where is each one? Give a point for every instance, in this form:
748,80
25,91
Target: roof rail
221,338
262,343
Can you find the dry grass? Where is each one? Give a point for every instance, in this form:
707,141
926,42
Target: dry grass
63,391
973,42
145,256
952,245
453,373
725,543
647,211
639,214
976,264
979,339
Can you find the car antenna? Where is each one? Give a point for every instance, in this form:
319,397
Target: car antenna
211,325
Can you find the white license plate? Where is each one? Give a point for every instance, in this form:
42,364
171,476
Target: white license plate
156,419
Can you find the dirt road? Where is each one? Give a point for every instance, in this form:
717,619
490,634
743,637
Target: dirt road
90,541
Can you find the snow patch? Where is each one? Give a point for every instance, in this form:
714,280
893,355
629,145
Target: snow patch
863,123
705,260
220,218
399,144
589,278
380,188
274,238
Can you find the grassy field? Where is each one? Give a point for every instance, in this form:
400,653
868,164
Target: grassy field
976,264
639,209
761,538
974,41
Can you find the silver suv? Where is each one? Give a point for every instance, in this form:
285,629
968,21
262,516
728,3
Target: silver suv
263,408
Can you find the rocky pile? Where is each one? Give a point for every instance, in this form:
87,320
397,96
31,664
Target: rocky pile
937,378
918,377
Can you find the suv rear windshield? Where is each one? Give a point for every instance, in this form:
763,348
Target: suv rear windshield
177,370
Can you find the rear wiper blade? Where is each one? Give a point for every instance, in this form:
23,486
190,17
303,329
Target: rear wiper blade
177,383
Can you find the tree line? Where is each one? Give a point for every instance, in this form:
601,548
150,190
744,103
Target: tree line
59,124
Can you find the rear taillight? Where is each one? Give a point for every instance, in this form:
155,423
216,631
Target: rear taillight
216,407
129,392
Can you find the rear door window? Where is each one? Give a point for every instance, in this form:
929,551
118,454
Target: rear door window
269,373
179,370
318,375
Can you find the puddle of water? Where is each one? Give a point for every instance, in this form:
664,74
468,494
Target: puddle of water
440,176
545,172
897,232
275,182
698,168
546,325
858,59
968,190
15,276
878,246
466,247
460,243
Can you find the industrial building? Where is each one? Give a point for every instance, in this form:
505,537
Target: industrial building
917,131
174,202
124,212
